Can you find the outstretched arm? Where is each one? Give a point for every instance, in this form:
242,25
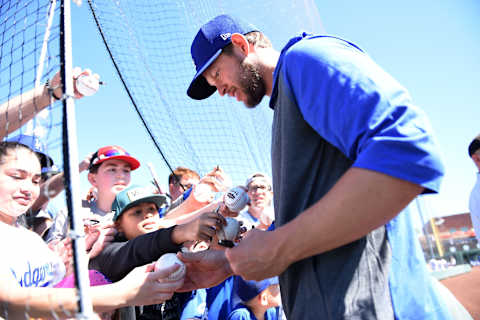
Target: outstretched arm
350,211
20,109
139,287
345,214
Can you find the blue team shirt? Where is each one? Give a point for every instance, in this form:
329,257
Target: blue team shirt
363,112
241,312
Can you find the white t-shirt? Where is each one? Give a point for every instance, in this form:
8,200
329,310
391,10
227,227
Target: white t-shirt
27,258
61,224
474,207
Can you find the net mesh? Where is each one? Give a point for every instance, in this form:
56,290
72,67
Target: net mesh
150,44
23,67
29,57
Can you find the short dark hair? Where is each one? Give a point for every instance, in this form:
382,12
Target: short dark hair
93,168
474,146
7,146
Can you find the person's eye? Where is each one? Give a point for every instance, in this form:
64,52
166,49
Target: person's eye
16,176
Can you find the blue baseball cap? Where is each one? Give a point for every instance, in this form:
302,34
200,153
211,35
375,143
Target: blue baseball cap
249,289
36,145
207,46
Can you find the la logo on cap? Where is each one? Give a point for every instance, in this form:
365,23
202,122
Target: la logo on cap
38,144
225,36
136,194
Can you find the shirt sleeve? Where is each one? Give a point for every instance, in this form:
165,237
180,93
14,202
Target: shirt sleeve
240,314
361,110
119,258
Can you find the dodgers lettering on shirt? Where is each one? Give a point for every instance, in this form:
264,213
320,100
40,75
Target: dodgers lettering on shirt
36,277
31,263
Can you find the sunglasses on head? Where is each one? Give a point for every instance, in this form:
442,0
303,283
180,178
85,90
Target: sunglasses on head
105,153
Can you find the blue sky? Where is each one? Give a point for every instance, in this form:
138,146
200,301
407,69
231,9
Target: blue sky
431,47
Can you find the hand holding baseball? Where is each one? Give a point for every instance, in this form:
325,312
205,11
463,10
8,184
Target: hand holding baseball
168,260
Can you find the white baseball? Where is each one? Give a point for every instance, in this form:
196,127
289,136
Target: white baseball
87,85
230,230
267,216
168,260
202,192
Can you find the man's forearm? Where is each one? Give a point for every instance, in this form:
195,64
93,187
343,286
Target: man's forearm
361,201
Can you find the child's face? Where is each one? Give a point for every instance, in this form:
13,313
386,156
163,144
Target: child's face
20,177
140,219
112,177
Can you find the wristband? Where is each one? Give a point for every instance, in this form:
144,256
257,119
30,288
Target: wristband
51,90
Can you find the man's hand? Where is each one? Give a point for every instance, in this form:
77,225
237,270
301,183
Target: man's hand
256,256
205,269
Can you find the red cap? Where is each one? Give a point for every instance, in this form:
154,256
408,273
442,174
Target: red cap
113,152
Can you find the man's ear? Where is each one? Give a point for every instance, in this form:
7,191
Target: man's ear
264,297
92,178
476,159
240,42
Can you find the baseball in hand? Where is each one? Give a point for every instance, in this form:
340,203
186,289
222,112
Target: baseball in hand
230,231
203,193
87,85
168,260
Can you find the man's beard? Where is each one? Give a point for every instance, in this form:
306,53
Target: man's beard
252,84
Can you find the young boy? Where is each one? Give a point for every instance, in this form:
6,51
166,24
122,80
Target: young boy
140,241
109,173
260,299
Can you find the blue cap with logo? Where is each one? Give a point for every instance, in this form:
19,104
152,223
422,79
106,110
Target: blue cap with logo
207,46
249,289
132,196
35,144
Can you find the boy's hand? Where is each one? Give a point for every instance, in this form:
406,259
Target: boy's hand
98,237
202,228
85,162
64,250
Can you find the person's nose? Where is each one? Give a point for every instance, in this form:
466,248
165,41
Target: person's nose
148,214
27,188
121,174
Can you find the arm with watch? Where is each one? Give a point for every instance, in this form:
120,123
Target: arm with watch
18,110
